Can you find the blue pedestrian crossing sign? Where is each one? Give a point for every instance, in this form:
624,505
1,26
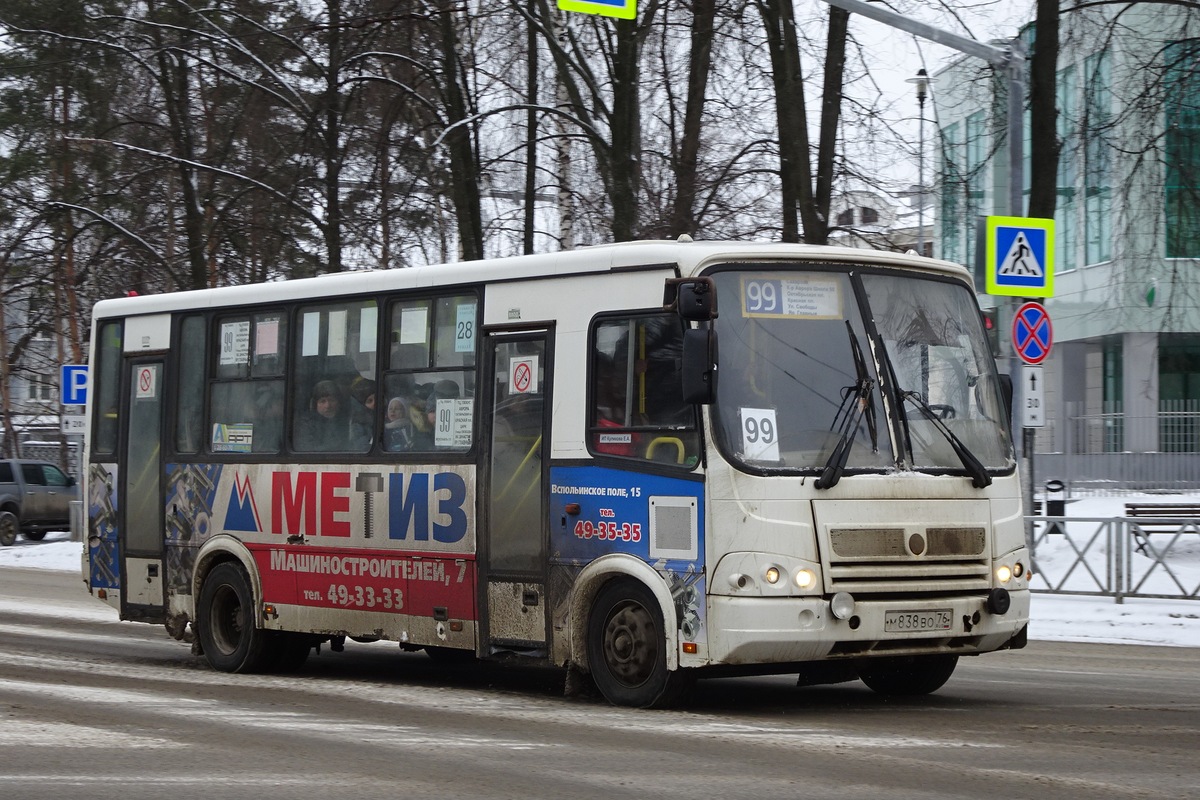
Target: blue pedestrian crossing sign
1020,256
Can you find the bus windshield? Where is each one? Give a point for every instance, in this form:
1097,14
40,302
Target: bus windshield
822,372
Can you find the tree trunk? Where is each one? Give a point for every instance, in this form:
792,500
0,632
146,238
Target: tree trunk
683,217
1044,144
464,170
816,214
625,139
794,181
332,145
531,130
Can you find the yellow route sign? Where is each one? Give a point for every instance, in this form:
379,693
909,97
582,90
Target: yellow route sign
622,9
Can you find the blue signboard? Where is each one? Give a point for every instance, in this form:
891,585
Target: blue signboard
611,511
1020,256
73,384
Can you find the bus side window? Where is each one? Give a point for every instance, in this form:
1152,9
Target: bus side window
245,412
333,405
189,421
637,409
106,384
429,384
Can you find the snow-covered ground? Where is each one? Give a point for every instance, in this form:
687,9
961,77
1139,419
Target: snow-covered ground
1055,617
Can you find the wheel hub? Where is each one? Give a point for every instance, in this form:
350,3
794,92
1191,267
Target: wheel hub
630,646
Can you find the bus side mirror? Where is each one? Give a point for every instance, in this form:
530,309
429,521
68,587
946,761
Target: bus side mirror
693,299
699,365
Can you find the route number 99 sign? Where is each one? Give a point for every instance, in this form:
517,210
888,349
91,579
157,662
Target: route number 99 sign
760,435
791,297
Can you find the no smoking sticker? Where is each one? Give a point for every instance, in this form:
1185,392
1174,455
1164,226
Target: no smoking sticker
522,375
147,382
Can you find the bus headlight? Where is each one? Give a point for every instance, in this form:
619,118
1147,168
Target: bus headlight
1004,573
805,578
772,575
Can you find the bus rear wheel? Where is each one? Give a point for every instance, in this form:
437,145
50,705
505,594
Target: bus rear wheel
225,622
906,675
627,648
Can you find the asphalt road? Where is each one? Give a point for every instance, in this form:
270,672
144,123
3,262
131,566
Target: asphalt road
94,708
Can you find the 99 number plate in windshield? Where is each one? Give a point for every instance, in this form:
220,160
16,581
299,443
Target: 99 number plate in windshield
916,621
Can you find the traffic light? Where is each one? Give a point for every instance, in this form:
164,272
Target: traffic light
991,325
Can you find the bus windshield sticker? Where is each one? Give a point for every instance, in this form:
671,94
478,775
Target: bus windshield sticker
312,334
235,438
464,329
336,346
413,325
616,438
523,375
235,342
760,436
266,337
368,321
454,417
792,297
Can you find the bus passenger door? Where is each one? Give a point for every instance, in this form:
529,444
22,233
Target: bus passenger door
514,532
140,527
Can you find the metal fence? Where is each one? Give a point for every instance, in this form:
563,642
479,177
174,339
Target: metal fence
1116,557
1106,450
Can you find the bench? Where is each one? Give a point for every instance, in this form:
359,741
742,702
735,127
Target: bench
1159,518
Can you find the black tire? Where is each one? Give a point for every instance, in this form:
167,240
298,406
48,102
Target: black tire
35,536
225,622
10,526
288,651
906,676
626,647
450,655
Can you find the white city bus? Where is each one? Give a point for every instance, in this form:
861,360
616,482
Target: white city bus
647,462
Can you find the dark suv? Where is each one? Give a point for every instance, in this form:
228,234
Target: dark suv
35,497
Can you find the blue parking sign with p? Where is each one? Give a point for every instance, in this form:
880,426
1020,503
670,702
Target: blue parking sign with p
74,381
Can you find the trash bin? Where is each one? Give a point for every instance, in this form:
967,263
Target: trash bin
1056,505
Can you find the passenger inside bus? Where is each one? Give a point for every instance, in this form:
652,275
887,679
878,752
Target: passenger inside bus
398,430
362,411
425,421
326,426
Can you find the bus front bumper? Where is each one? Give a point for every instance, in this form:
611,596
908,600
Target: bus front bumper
764,630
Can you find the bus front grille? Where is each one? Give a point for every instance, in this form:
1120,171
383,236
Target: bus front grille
886,560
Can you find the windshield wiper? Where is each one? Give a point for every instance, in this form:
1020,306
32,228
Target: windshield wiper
858,400
979,474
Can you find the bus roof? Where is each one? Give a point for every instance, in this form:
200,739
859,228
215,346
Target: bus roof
688,257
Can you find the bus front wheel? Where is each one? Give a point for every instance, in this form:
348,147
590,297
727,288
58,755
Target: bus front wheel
225,622
627,648
906,675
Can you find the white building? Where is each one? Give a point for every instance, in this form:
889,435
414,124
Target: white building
1124,372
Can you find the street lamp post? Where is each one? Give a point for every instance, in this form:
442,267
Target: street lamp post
922,84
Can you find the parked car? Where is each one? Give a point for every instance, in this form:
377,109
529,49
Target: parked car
35,497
